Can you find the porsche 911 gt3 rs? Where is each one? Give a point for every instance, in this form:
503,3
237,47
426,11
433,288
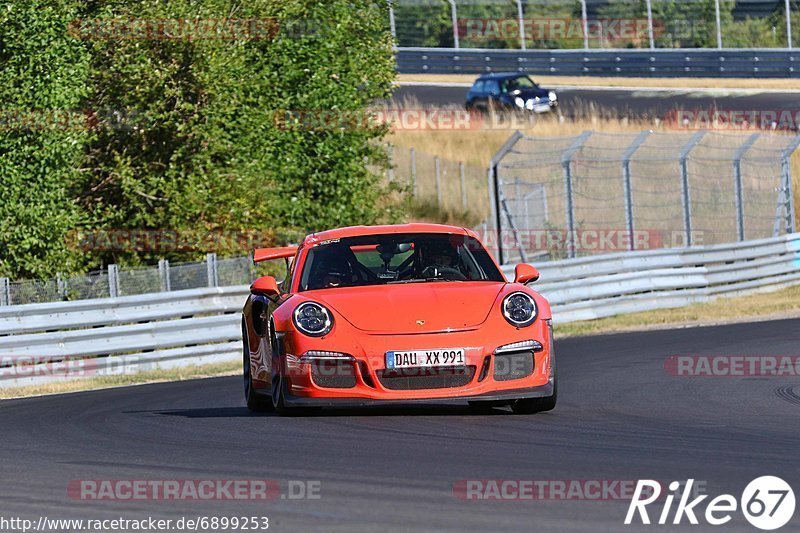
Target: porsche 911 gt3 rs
396,314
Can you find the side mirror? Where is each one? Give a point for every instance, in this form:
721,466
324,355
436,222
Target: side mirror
266,286
525,273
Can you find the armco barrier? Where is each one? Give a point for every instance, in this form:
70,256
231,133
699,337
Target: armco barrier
656,63
179,328
606,285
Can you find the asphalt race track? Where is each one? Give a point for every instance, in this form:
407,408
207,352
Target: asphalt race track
620,416
631,103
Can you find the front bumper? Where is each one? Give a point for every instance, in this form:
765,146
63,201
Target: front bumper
361,378
509,395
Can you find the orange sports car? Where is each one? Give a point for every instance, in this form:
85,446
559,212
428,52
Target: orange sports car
396,314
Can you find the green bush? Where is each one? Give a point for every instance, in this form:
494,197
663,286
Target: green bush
184,133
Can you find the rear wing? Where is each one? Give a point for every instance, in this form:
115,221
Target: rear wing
268,254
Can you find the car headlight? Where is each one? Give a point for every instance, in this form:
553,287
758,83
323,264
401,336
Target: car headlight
552,96
312,319
519,309
519,101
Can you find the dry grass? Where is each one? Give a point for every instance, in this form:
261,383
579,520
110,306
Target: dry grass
104,382
656,83
765,305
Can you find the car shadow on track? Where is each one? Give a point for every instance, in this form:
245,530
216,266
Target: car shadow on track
412,410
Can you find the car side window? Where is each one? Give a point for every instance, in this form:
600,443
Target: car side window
479,87
492,87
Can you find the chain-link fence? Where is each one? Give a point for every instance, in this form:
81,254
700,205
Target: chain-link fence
114,281
449,185
565,24
603,192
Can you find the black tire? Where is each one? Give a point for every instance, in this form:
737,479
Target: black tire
255,402
278,402
529,406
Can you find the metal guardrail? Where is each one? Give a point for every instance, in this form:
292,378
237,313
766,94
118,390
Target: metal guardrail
164,330
606,285
657,63
42,343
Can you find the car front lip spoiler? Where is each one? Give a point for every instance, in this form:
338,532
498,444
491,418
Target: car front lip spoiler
506,395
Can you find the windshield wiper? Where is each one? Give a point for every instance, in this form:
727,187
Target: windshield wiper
418,280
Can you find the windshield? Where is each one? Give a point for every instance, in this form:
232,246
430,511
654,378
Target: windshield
522,83
396,259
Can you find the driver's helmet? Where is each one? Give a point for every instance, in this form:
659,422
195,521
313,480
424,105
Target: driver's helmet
332,269
438,253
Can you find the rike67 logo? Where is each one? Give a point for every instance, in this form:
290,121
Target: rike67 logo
767,503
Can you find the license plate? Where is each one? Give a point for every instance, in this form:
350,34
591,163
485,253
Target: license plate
425,358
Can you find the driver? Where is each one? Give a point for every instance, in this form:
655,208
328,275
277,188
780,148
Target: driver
440,256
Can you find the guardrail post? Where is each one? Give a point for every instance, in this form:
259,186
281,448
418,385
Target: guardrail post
413,163
5,291
163,275
463,185
687,205
626,177
737,183
566,163
211,269
438,166
113,281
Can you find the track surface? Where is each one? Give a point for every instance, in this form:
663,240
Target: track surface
620,416
627,103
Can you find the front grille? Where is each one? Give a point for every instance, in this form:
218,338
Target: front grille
513,365
333,374
426,378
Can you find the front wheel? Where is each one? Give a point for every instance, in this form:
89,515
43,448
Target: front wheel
255,402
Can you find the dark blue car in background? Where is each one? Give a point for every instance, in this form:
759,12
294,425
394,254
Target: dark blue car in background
510,91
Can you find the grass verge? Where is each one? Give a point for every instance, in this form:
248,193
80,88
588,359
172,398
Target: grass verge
105,382
782,303
655,83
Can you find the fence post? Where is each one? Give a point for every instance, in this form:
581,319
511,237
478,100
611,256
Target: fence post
61,286
719,25
788,25
650,24
438,166
566,163
392,26
626,177
113,281
737,183
390,155
454,19
788,186
522,44
5,291
494,189
163,275
211,269
687,206
413,172
585,25
463,185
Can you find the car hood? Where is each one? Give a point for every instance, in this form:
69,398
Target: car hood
413,308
